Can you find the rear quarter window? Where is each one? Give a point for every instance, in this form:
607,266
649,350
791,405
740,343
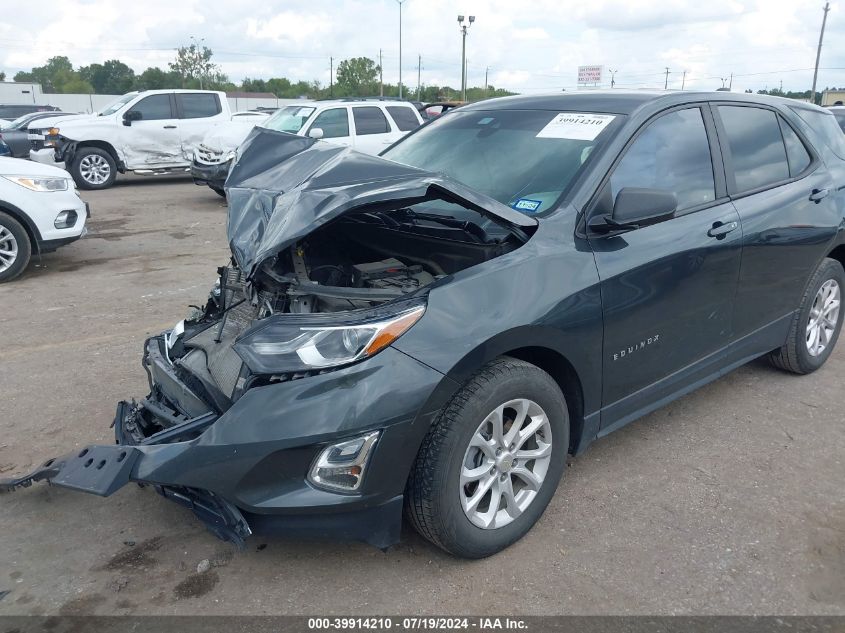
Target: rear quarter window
826,128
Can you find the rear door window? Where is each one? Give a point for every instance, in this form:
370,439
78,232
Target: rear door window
404,117
198,105
672,154
154,108
369,120
757,148
334,123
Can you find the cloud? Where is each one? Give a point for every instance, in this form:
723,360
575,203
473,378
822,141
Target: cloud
529,46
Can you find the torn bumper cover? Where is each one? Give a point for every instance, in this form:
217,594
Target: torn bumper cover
245,469
212,175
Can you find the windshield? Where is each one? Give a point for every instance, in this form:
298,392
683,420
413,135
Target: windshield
523,158
118,103
840,118
289,119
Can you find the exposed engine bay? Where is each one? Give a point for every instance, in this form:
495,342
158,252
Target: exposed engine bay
355,264
371,258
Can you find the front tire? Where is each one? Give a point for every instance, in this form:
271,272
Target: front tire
93,168
15,248
816,325
492,460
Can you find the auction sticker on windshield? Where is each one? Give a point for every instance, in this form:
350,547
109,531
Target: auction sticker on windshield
576,126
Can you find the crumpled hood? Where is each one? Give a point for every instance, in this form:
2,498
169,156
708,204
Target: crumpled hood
283,187
228,135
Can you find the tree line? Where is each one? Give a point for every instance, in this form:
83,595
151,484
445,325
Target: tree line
193,68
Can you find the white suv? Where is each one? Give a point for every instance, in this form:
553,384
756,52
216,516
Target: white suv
40,210
369,126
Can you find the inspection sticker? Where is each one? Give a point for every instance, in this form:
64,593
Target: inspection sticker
576,126
524,204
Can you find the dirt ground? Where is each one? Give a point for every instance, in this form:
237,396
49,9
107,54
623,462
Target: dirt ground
731,500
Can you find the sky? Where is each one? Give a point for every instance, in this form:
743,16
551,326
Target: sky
524,46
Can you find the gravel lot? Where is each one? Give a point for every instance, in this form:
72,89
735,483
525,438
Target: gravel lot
731,500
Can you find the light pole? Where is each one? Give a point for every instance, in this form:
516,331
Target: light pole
400,46
464,28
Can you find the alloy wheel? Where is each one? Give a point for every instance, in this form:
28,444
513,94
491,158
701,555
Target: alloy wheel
8,249
94,169
505,464
824,315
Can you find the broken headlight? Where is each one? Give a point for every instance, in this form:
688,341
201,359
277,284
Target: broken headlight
287,343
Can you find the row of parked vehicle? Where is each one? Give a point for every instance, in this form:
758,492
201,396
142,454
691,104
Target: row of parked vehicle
156,131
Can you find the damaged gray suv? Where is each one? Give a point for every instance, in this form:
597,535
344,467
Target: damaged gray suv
436,329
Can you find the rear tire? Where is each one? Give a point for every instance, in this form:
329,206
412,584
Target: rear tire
446,501
817,322
93,168
15,248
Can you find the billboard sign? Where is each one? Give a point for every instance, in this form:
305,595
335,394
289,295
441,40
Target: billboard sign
589,74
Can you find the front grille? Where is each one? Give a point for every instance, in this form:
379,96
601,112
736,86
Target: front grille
208,156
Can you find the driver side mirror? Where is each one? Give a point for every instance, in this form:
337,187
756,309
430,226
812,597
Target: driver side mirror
635,208
643,207
132,115
316,132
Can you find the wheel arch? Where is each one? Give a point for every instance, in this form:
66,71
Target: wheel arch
29,226
838,253
563,372
103,145
535,345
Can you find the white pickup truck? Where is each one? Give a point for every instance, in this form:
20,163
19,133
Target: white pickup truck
154,131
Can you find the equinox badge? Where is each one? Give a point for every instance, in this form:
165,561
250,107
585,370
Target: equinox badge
635,348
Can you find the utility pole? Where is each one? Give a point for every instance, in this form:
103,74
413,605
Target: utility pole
819,53
612,76
463,27
331,76
731,82
419,74
380,75
683,80
486,72
666,82
400,46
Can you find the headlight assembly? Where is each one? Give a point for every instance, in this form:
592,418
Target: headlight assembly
295,343
39,184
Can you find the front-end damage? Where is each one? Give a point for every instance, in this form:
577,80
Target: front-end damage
290,358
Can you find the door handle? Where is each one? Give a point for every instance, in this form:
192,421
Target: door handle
169,127
818,195
720,229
